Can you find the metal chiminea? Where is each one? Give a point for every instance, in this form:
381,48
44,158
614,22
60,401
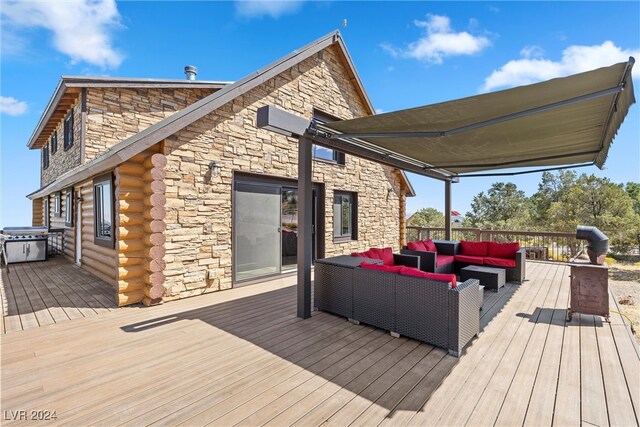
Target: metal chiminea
598,243
190,71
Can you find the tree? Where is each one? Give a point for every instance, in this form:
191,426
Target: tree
552,188
633,190
427,217
502,207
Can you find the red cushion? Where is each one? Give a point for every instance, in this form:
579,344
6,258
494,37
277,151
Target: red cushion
416,246
444,260
385,254
473,248
503,250
365,254
414,272
430,246
469,259
501,262
385,268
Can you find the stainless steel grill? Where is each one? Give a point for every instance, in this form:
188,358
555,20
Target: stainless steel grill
22,244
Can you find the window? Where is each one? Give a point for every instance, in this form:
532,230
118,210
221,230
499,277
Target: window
45,157
56,204
68,206
103,208
345,216
46,212
54,143
68,130
322,153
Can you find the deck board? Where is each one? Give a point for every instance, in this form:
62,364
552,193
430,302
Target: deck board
53,291
243,357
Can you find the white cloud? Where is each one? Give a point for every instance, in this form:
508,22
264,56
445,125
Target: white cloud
440,41
12,106
379,111
532,52
272,8
82,29
575,59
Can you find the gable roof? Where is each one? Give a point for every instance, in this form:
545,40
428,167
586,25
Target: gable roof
69,88
159,131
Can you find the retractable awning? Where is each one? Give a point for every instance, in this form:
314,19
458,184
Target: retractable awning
563,121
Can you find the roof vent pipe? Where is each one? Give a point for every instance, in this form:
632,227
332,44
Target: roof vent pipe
598,243
190,71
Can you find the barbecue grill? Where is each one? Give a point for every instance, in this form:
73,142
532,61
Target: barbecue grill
22,244
590,281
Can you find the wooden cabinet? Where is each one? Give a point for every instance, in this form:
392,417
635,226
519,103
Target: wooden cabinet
589,290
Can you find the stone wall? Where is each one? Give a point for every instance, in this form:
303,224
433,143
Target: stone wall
63,160
115,114
199,210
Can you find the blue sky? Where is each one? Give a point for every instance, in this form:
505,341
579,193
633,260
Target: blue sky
407,54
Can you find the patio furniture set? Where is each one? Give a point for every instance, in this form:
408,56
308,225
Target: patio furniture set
416,293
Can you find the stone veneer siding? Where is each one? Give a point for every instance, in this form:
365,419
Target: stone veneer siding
115,114
199,209
63,160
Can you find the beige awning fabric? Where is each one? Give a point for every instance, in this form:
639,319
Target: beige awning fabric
568,120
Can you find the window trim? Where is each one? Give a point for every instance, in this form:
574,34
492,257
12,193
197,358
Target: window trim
354,216
68,131
68,204
57,204
107,242
54,142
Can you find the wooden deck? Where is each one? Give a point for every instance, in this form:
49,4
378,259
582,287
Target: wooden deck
241,357
41,293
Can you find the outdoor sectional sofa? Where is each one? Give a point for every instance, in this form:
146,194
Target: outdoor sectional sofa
452,256
438,312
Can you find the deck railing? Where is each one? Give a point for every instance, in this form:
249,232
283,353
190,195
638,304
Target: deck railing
548,246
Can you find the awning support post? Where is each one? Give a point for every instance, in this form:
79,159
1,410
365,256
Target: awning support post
305,209
447,210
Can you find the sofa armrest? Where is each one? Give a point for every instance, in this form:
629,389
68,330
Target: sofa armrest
447,247
521,260
464,318
427,259
406,260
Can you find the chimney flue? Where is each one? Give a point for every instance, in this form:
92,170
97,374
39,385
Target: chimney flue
190,71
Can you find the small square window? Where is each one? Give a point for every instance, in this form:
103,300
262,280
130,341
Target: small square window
323,153
345,216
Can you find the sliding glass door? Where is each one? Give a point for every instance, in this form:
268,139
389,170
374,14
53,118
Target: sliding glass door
265,229
257,231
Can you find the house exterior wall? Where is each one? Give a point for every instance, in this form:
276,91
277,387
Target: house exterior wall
115,114
199,207
63,160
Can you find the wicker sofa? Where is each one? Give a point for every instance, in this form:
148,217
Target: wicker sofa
427,310
457,259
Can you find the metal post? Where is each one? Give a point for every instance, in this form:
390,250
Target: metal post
304,227
447,210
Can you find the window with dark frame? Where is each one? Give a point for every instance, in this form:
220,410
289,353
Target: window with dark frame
323,153
45,156
345,216
46,212
56,204
68,206
54,143
103,211
68,130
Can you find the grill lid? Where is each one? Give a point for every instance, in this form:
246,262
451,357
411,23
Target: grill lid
25,231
